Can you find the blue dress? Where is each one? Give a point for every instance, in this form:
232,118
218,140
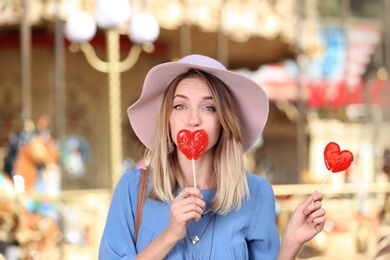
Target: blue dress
247,233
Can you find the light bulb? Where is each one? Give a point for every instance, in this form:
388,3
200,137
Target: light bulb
80,27
143,28
112,13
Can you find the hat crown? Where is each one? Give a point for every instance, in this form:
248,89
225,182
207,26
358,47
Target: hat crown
201,60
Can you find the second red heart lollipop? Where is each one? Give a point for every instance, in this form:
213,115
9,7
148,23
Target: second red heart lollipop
336,160
192,144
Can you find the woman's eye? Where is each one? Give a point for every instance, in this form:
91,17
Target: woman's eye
178,106
210,108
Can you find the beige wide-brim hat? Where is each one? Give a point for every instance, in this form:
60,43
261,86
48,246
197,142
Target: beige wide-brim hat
249,99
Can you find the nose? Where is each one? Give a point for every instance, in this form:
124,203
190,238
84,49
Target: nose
193,120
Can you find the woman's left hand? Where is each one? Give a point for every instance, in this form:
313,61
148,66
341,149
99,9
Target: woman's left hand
307,220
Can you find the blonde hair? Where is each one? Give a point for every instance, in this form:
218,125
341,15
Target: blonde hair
228,171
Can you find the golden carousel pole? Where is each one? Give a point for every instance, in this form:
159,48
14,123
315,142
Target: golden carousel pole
113,67
25,50
143,30
114,82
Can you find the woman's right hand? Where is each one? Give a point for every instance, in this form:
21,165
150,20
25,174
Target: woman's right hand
186,206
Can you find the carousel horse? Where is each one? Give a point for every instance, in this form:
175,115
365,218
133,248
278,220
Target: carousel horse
34,156
16,140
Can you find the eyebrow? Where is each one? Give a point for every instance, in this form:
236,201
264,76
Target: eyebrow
185,97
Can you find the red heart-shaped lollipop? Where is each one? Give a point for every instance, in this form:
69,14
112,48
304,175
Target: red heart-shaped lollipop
192,144
336,160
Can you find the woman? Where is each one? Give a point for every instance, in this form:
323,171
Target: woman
230,214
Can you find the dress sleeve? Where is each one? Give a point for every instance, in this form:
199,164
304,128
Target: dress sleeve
117,241
263,238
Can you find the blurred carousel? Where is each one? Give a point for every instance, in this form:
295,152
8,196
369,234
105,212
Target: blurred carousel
29,186
38,220
23,234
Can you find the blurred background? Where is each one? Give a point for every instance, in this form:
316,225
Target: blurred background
70,68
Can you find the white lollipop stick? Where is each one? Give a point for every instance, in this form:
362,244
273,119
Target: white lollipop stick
322,185
193,171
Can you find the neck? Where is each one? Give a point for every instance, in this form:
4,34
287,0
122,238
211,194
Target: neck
202,172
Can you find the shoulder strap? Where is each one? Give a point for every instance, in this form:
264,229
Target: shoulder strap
143,183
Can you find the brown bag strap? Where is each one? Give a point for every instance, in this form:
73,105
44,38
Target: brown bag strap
143,183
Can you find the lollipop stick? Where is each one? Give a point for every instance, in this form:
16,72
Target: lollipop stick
322,185
193,171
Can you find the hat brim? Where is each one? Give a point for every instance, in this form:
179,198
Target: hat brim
249,99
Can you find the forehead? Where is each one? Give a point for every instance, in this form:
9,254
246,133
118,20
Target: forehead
193,85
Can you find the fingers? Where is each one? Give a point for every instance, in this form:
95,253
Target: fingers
317,219
320,222
190,191
195,215
312,207
315,196
192,207
315,214
312,203
188,205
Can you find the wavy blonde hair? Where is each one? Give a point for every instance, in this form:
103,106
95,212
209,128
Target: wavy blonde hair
228,171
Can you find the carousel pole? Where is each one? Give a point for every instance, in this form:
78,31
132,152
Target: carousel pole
185,40
25,52
387,39
222,49
59,88
301,93
222,42
59,78
143,30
